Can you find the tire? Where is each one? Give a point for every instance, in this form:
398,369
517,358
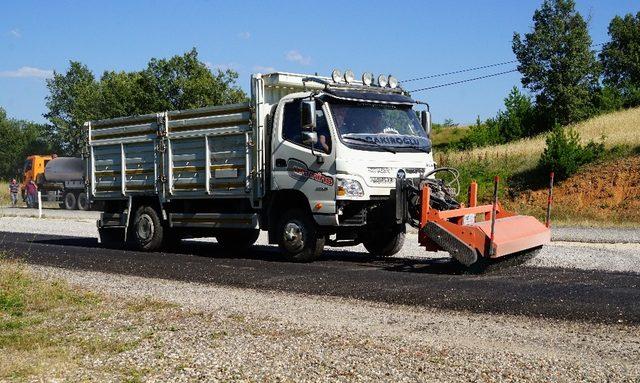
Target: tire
237,240
70,201
83,201
147,230
384,243
298,236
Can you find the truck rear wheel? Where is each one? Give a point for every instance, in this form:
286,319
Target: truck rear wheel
384,243
83,201
237,239
70,201
298,236
147,230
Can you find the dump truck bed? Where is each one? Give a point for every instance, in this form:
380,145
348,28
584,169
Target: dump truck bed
197,153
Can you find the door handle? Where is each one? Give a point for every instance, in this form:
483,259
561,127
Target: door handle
280,163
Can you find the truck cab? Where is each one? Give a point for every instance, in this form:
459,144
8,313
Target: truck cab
335,154
33,169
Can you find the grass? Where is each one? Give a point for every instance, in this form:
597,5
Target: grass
48,328
442,137
5,198
618,128
52,331
33,315
516,163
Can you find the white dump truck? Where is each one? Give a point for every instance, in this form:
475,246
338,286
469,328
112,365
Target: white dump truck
311,160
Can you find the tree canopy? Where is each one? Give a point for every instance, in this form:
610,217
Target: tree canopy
621,58
19,139
557,63
180,82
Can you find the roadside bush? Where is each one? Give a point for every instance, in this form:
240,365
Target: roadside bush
480,134
564,154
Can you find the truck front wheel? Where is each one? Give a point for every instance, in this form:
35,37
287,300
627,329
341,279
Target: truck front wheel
298,236
237,239
384,243
147,229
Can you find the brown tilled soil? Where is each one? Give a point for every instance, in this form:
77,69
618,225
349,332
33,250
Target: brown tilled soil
601,193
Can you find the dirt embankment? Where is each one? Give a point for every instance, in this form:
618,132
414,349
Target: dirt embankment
606,192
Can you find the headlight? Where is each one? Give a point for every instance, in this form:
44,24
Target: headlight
336,75
393,82
349,76
350,188
382,80
367,78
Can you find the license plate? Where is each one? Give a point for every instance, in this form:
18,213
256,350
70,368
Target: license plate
468,219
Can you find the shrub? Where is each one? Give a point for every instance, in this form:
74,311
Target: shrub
517,120
480,134
564,154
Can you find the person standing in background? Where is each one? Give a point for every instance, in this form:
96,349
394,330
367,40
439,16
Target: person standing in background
13,191
32,194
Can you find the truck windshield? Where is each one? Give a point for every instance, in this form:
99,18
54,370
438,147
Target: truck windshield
379,126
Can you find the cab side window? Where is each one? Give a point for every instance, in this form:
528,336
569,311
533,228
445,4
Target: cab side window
291,126
291,122
322,128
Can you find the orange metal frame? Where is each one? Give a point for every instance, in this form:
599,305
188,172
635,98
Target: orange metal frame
513,232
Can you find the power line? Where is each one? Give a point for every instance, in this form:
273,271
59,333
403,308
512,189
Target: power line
463,81
477,68
459,71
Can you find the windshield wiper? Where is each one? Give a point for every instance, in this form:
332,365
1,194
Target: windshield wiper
369,142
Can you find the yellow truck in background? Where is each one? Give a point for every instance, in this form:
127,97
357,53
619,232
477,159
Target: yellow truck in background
58,178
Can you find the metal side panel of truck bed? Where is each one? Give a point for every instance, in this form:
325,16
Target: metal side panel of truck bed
197,153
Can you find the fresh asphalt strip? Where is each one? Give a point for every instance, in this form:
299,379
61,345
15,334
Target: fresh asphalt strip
571,294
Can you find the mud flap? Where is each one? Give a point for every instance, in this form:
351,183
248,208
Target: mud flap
459,250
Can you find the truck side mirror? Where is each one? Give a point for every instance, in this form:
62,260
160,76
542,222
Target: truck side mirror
308,115
425,120
309,138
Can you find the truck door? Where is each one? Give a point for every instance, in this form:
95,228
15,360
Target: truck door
300,167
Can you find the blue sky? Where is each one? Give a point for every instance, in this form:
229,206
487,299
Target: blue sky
405,38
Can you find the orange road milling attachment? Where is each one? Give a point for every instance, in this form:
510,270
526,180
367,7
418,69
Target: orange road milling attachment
479,235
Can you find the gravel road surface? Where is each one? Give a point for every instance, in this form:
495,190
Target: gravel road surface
571,314
230,334
566,234
568,280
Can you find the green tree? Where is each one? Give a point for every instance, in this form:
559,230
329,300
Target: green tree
72,100
184,82
481,134
122,94
180,82
557,64
621,58
19,139
517,120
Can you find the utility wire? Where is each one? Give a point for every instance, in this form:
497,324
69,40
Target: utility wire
476,68
463,81
459,71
